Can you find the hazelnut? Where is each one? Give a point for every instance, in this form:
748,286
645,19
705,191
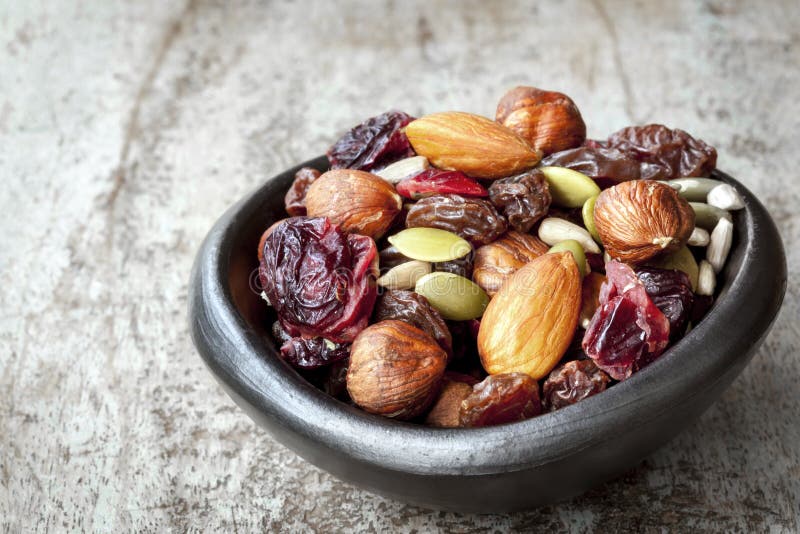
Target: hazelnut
445,411
641,219
395,369
548,120
359,202
497,261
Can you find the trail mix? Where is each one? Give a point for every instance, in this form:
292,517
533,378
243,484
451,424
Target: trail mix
459,271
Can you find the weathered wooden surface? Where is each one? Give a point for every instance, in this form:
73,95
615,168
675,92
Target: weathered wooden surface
128,127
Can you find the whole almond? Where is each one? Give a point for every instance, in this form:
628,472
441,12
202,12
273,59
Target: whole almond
530,322
496,262
358,201
472,144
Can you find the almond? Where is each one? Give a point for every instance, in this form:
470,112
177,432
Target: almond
497,261
530,322
641,219
358,201
474,145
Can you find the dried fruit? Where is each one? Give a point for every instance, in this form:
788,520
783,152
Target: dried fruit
319,280
549,120
390,257
590,297
628,331
529,323
606,166
455,297
430,244
374,143
499,399
395,369
553,230
405,275
474,219
572,382
671,292
574,248
523,199
446,409
403,169
642,219
681,260
295,199
472,144
569,188
436,182
357,201
311,353
461,266
497,261
587,212
414,309
719,244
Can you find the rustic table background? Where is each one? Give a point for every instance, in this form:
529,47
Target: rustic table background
128,127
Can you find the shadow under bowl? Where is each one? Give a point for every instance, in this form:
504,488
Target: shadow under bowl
496,469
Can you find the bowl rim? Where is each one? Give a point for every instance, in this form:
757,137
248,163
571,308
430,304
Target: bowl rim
245,361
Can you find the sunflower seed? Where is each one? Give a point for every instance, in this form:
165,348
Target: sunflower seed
694,189
554,230
405,275
706,280
403,169
699,237
719,244
725,197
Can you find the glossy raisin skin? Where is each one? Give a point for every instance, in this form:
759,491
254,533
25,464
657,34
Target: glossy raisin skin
373,144
460,266
628,331
312,353
414,309
474,219
500,399
295,199
572,382
319,279
523,199
671,291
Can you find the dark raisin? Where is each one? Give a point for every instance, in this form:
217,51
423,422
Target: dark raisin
319,280
671,291
461,266
572,382
700,307
474,219
523,199
500,399
414,309
311,353
627,331
374,143
389,258
295,199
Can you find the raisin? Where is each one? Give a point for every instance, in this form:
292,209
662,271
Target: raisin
671,291
572,382
436,181
311,353
390,257
373,144
461,266
474,219
523,199
414,309
295,199
319,280
500,399
627,331
700,307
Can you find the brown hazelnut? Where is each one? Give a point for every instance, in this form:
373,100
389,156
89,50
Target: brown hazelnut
359,202
497,261
548,120
641,219
445,411
395,369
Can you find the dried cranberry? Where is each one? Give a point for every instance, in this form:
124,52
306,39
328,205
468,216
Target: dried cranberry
572,382
436,181
671,291
318,279
311,353
499,399
295,199
627,331
700,307
374,143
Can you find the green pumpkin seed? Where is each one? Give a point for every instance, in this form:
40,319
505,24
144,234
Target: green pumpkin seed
577,253
430,244
694,189
570,189
588,217
454,296
680,260
707,216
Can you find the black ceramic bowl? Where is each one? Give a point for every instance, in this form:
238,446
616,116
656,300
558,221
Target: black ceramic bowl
493,469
